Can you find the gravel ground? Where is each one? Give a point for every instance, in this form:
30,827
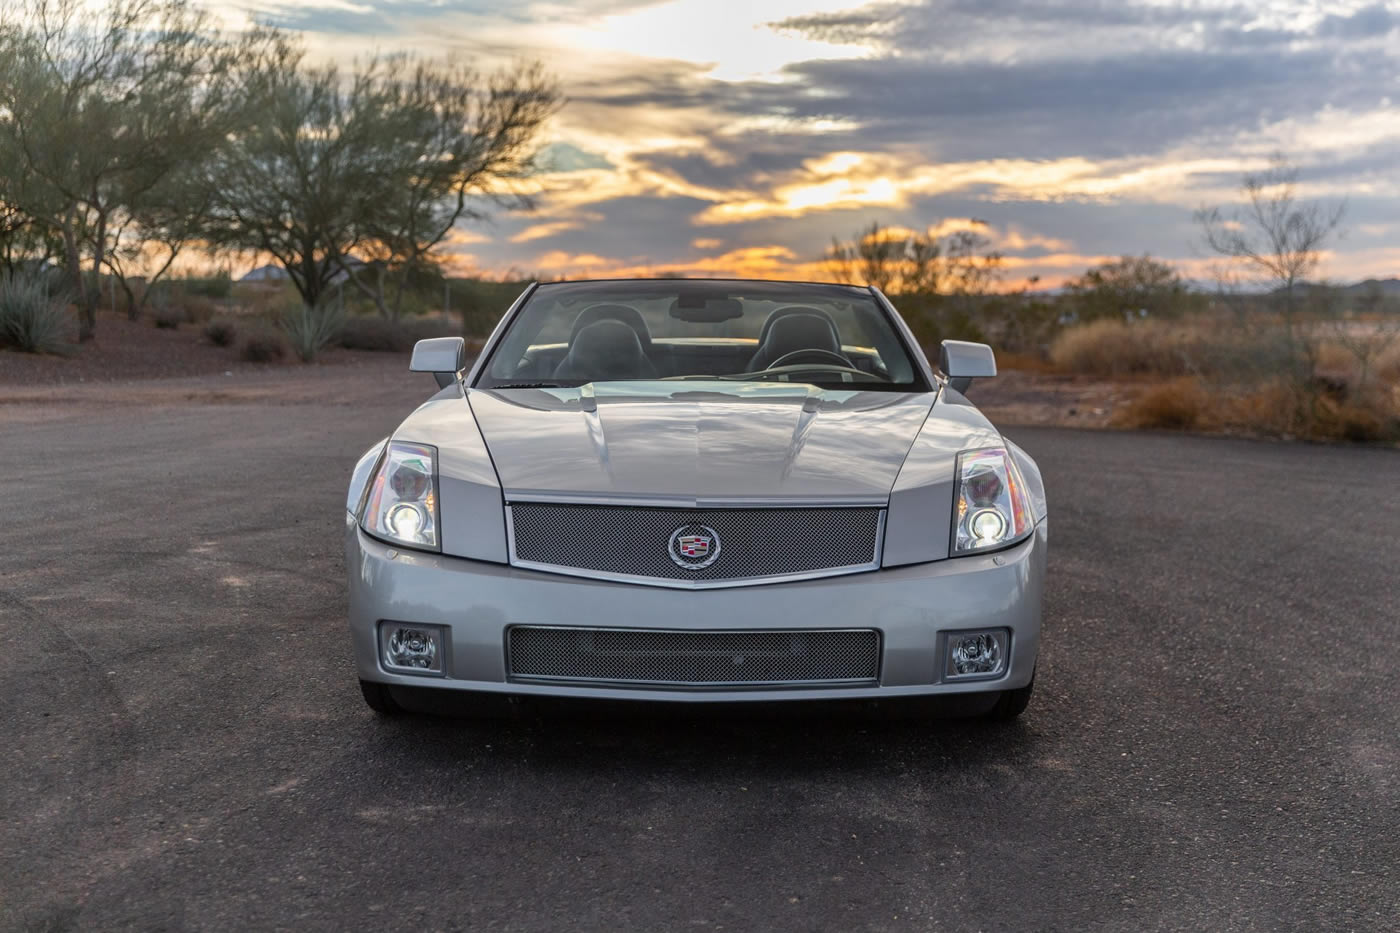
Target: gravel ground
1212,744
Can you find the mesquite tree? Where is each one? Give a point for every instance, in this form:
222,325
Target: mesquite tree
100,105
362,175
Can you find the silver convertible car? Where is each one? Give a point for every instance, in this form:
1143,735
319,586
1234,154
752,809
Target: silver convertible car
698,491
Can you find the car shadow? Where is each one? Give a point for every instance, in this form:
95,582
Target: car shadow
575,736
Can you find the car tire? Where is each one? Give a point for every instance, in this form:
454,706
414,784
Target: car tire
379,698
1012,703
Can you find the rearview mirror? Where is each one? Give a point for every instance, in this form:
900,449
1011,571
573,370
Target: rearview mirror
962,361
704,309
444,357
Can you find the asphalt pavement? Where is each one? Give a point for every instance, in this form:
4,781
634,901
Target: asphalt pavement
1214,743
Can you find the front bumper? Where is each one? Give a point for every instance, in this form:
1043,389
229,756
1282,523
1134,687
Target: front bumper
910,606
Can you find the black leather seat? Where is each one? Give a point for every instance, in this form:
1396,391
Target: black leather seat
784,312
791,329
608,312
606,349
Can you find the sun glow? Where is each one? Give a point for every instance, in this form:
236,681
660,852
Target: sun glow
734,38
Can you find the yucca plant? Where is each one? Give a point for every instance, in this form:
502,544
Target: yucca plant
31,319
311,329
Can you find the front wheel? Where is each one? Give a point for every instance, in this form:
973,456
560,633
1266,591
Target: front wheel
1012,703
379,698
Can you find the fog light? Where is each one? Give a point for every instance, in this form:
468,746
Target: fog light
976,654
412,649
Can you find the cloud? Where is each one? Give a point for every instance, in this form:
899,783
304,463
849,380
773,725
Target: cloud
1077,128
769,261
561,157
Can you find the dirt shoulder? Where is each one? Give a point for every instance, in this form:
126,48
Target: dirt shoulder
133,364
1035,398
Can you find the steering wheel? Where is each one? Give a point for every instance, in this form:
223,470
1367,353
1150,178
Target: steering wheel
821,356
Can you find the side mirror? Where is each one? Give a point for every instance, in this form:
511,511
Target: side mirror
962,361
444,357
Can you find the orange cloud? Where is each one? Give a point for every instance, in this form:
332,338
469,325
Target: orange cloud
753,262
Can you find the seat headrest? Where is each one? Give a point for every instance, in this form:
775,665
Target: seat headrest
784,312
606,349
796,329
608,312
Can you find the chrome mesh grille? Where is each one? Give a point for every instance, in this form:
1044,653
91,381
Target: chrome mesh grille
713,659
636,541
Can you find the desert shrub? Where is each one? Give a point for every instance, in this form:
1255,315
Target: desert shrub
1178,404
1025,362
311,330
168,317
198,309
1363,417
219,285
1388,366
263,347
1131,285
31,319
1116,348
361,332
422,328
221,332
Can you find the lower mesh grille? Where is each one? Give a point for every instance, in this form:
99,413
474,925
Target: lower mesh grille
708,659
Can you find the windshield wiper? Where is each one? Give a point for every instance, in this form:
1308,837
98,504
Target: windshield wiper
530,385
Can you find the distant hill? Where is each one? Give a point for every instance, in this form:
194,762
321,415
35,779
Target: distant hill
1388,287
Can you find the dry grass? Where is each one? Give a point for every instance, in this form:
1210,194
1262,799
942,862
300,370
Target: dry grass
1273,409
1388,365
1021,362
1113,348
1179,404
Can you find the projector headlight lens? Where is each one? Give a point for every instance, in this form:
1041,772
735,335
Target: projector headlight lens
401,504
992,508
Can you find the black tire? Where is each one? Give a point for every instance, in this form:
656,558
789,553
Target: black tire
379,698
1012,703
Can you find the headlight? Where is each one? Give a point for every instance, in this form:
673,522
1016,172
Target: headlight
992,509
401,504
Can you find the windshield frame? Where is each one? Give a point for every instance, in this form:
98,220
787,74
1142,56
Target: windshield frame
923,378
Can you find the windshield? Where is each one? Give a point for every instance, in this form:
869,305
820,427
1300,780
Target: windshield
571,333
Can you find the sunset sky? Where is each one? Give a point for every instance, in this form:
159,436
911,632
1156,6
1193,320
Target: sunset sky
716,137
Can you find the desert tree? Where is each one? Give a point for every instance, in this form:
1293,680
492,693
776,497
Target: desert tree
915,264
360,176
877,256
1281,239
153,231
24,240
100,104
1127,285
941,281
970,266
1278,236
463,143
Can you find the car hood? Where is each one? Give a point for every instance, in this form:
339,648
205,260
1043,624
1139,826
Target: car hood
700,442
